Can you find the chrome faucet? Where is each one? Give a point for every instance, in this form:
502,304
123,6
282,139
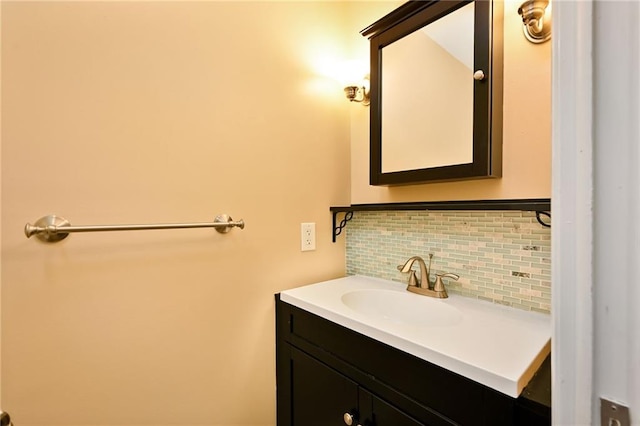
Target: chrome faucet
423,285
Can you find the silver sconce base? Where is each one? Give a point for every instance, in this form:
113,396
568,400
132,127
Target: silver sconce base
358,94
536,26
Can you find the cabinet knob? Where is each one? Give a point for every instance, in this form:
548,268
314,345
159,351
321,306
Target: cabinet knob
348,419
478,75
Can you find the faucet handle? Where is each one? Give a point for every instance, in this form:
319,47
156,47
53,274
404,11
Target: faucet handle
413,280
439,286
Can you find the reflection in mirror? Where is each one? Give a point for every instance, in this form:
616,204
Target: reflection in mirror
427,118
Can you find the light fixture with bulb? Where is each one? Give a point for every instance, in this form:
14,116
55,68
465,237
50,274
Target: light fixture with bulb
536,20
359,93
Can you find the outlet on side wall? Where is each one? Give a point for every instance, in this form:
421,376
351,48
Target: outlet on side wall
308,236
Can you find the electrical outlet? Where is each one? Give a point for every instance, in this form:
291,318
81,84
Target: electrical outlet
308,236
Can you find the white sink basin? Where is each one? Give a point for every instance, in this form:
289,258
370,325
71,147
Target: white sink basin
497,346
402,308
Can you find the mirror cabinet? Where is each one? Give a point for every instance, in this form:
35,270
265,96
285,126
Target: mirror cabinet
436,92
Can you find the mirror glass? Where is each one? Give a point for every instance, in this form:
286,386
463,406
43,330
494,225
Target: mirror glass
427,95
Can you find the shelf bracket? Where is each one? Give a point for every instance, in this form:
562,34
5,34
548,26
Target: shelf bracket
540,221
337,228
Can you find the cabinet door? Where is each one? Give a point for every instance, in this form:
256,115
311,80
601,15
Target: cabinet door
320,396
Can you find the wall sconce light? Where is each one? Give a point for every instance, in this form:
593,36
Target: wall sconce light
536,28
359,93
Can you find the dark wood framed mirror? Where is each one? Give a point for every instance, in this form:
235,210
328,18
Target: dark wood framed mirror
436,92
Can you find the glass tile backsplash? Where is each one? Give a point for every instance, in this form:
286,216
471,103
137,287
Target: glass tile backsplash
501,256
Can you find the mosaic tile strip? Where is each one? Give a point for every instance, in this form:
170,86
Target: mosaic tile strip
501,256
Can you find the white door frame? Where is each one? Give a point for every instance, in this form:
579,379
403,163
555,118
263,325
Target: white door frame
571,234
596,208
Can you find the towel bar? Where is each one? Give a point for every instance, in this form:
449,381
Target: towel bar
52,228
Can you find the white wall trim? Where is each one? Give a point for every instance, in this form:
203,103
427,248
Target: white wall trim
572,202
616,97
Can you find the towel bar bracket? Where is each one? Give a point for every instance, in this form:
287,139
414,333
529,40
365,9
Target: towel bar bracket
46,229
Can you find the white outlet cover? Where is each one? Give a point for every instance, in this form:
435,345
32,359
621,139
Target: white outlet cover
307,236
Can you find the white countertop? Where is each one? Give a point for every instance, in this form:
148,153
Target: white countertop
495,345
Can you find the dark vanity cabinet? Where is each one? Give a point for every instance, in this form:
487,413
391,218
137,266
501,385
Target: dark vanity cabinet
330,375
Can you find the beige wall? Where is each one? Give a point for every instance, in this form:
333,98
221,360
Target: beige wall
167,112
0,214
163,112
526,132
